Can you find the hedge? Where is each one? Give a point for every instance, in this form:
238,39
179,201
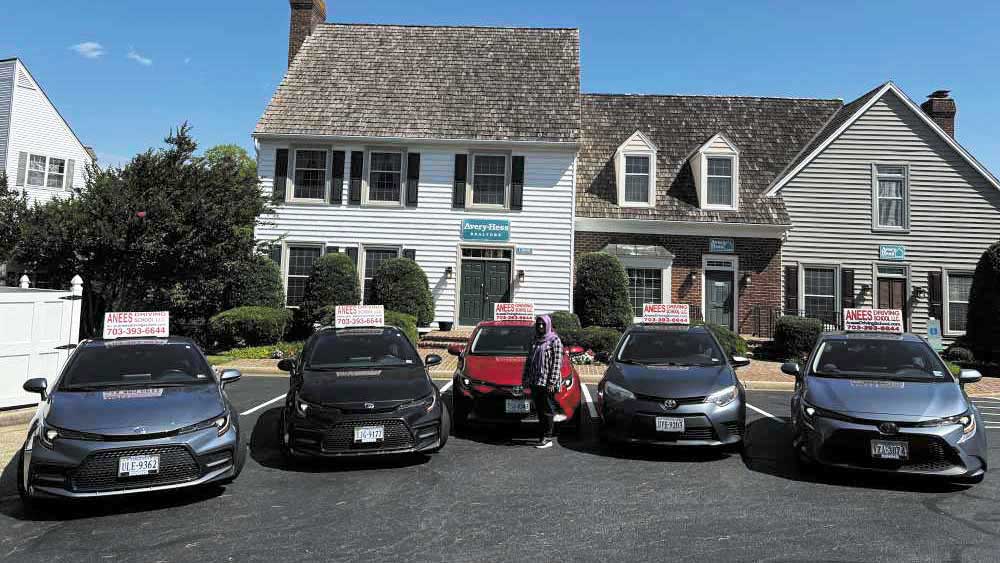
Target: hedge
596,338
249,326
982,331
600,296
795,337
400,285
732,343
333,281
958,354
564,320
255,282
287,350
405,323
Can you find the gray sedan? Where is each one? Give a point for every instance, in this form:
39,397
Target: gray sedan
886,402
129,416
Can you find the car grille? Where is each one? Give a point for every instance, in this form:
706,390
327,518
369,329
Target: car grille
927,453
733,427
680,400
340,437
99,472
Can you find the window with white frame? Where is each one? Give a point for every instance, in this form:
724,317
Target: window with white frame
720,180
300,265
890,197
310,174
45,171
819,292
636,178
959,286
489,180
385,177
375,257
645,285
56,173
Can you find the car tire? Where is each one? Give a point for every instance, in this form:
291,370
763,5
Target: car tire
32,507
973,480
286,452
460,416
445,430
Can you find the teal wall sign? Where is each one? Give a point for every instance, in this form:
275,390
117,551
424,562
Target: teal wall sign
721,245
486,229
893,252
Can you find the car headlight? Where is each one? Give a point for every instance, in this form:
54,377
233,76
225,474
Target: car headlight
221,423
723,397
427,403
613,392
47,435
966,419
301,407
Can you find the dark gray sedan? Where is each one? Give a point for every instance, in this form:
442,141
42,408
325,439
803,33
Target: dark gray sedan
129,416
886,402
672,385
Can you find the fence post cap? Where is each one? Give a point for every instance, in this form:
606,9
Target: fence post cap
77,280
25,282
76,285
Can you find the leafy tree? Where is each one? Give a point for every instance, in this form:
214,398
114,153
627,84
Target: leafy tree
401,285
982,331
13,209
333,281
600,296
218,154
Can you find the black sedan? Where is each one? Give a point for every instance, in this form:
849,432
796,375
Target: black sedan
129,416
361,391
672,385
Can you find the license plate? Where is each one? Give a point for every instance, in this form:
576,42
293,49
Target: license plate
517,406
369,434
668,424
890,449
138,465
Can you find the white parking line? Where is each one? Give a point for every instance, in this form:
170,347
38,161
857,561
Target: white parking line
262,405
764,412
992,425
447,386
590,402
978,406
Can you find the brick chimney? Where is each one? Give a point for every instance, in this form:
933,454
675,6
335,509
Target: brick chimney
941,108
306,15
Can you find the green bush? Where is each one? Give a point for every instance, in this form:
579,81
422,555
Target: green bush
958,354
405,323
287,349
400,285
596,338
564,320
732,343
254,282
249,326
600,296
794,337
333,281
982,333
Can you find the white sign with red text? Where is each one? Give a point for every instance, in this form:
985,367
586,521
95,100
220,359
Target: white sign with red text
666,313
346,316
873,320
136,323
514,311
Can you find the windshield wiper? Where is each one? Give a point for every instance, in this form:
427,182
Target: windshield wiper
632,362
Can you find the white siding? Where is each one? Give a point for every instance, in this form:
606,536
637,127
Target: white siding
6,92
954,211
37,128
433,228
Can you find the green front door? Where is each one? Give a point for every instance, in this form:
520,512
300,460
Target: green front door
719,298
484,283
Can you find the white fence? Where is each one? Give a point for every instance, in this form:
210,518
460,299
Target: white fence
38,329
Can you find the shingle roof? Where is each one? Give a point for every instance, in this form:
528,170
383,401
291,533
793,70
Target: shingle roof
769,133
485,83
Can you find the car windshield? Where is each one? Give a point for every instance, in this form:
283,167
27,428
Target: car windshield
136,364
879,359
360,348
503,341
680,348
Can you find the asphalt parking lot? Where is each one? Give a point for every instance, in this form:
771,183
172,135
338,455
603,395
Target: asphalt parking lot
488,497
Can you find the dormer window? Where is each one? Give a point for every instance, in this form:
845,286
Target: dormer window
716,169
720,181
635,163
636,178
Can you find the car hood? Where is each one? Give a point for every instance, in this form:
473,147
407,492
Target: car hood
908,401
499,370
384,387
671,381
135,411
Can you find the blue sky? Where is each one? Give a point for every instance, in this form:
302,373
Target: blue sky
215,63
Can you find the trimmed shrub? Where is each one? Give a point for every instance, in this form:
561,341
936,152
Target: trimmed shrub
249,326
405,323
333,281
400,285
959,354
600,296
287,349
732,343
596,338
794,337
982,334
255,282
564,320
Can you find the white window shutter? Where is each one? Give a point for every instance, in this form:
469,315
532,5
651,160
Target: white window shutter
68,179
22,167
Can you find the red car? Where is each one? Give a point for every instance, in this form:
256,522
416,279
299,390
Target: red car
487,384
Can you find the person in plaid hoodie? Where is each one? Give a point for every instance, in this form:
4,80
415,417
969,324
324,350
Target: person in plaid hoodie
542,374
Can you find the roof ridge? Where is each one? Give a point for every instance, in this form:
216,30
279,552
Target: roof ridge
627,95
528,28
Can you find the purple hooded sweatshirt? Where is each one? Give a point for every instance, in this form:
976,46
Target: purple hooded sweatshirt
544,364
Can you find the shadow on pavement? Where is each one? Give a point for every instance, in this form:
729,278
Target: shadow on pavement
769,450
265,450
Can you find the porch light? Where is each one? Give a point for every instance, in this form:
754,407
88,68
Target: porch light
746,279
520,276
448,272
919,292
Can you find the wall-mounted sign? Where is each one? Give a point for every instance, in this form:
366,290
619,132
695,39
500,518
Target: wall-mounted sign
486,229
934,334
523,250
721,245
894,252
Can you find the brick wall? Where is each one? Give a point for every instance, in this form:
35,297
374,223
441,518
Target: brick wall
761,258
306,15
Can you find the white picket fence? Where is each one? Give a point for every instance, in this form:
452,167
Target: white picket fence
38,329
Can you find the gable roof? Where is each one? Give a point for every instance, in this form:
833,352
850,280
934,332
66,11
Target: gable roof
427,82
769,132
642,138
848,115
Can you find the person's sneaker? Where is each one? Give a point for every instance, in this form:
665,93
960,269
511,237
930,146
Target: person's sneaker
559,418
546,443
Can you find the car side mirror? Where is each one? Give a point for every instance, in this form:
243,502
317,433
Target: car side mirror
969,376
456,349
230,375
288,364
37,385
791,368
603,357
432,360
739,361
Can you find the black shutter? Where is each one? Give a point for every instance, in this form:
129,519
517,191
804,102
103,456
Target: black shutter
357,171
458,190
517,183
332,249
412,178
280,175
22,167
410,253
275,253
934,296
846,288
791,290
352,253
337,187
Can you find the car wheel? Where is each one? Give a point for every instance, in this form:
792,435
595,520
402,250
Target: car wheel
445,430
460,417
286,452
973,480
32,507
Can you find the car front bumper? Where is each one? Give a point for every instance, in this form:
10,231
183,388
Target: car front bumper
332,435
705,424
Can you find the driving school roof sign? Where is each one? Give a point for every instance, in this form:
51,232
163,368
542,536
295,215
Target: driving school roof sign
514,311
346,316
136,323
666,313
873,320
